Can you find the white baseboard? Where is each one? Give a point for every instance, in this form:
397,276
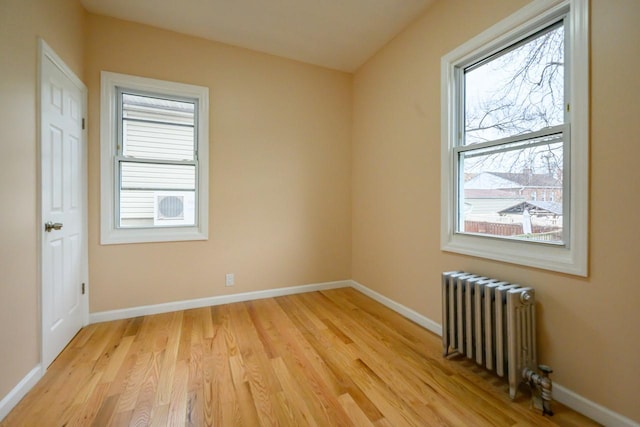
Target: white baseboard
19,391
562,394
591,409
145,310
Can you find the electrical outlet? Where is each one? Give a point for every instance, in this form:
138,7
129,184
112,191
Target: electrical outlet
230,279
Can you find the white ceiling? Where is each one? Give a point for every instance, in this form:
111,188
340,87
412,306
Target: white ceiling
338,34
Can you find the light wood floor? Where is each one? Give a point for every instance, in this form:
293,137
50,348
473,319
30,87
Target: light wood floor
333,358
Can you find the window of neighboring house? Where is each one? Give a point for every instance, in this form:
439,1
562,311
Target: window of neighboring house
515,111
154,155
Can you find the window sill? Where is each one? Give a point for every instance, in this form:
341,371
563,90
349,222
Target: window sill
539,255
125,236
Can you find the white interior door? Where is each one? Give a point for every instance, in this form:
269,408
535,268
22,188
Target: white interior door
63,202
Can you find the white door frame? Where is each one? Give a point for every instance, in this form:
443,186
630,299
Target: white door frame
45,52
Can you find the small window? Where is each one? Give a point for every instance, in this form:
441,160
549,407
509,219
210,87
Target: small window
515,111
154,160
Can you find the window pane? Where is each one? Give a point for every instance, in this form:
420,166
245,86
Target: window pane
155,128
517,91
154,176
157,195
141,209
514,190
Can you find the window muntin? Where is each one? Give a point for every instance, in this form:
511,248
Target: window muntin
515,131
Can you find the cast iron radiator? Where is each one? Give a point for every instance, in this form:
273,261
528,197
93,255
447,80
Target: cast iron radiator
491,322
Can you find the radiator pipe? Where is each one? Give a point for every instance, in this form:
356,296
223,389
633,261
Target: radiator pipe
543,384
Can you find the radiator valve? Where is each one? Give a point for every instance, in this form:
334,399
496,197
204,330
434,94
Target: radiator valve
541,387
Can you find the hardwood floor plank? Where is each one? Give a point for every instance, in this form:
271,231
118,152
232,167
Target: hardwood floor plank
87,412
221,316
133,326
330,358
117,359
257,369
119,383
391,406
291,391
195,368
160,416
356,415
214,373
129,396
106,411
195,402
143,409
178,405
170,359
122,418
87,389
184,348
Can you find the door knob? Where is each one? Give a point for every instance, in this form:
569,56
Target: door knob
48,226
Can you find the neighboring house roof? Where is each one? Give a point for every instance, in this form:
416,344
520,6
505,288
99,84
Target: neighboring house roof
503,180
487,206
489,181
535,207
481,193
530,179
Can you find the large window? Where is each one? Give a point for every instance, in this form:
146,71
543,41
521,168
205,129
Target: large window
514,166
154,160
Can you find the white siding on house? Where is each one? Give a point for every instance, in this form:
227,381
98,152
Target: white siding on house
136,204
146,140
489,181
157,176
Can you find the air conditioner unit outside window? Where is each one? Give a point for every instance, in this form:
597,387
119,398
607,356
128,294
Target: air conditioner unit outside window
174,208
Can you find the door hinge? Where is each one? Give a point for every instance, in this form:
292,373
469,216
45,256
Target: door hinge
83,289
83,123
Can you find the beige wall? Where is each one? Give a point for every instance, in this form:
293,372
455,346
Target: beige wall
588,328
298,154
60,23
280,161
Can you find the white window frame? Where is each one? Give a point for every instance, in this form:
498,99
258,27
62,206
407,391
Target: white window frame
110,232
572,257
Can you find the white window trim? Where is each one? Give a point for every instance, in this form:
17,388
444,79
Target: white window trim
572,258
109,232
